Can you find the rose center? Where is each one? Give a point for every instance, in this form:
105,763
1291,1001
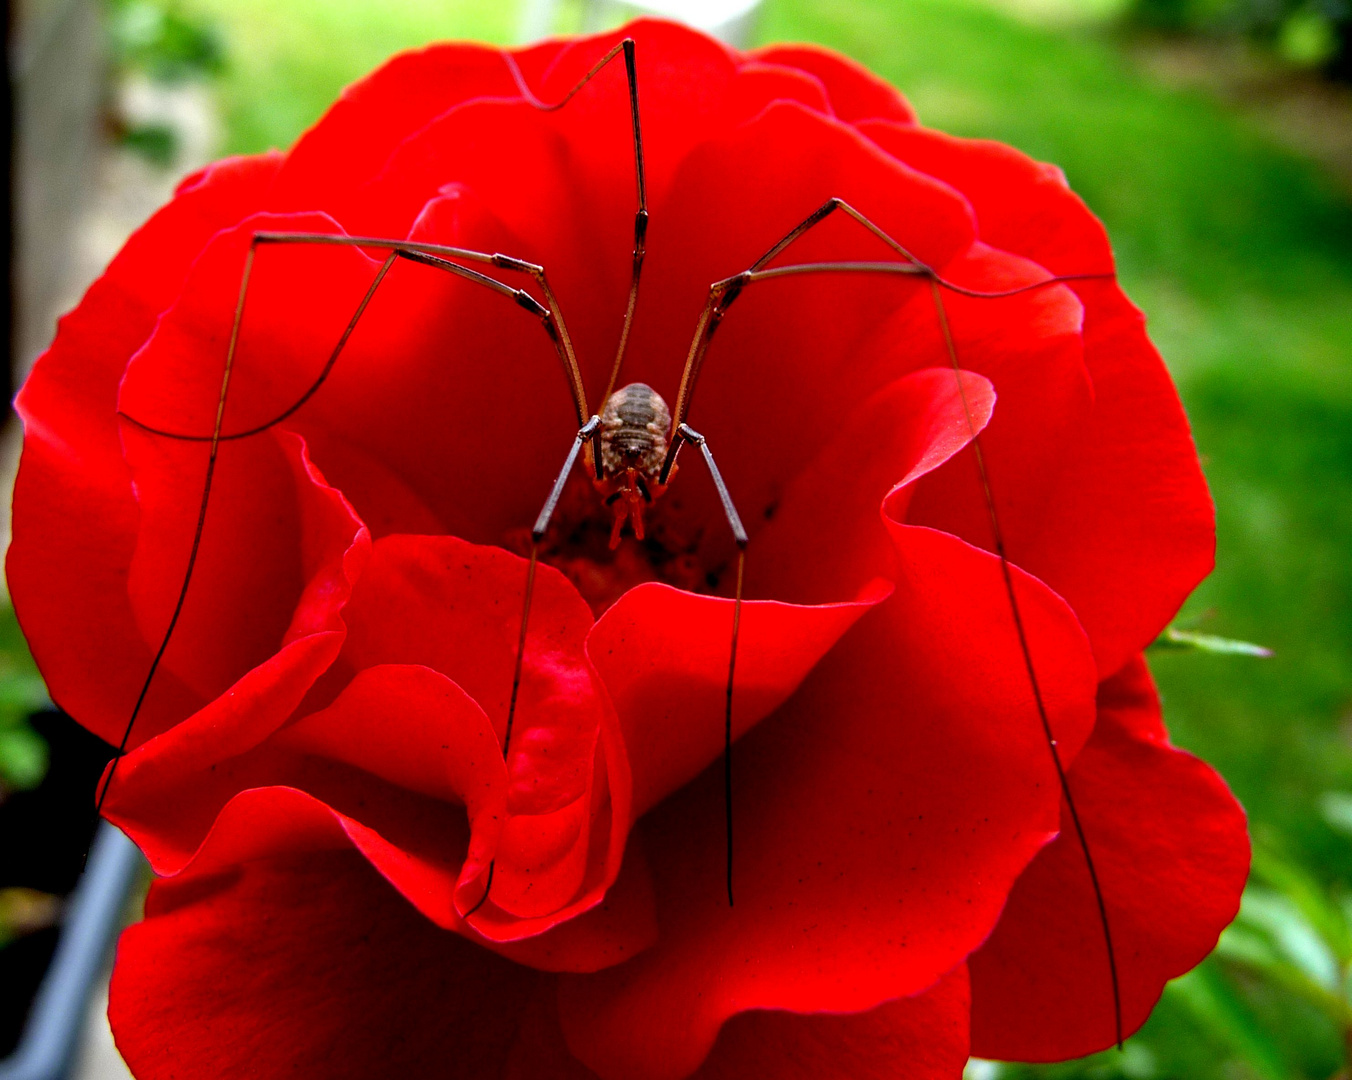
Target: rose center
578,544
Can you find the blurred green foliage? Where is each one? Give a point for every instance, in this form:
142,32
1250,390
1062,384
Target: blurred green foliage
1305,33
162,39
157,39
23,753
289,59
1241,255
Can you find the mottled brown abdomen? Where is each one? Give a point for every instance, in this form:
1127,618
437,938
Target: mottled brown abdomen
635,424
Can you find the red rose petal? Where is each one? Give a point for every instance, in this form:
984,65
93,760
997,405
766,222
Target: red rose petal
663,654
174,380
1030,347
683,79
1022,206
167,792
75,520
856,93
273,550
419,846
417,730
1172,854
919,1038
392,407
349,145
456,608
579,227
240,975
561,847
757,86
880,815
787,365
1128,528
748,188
826,537
284,795
621,926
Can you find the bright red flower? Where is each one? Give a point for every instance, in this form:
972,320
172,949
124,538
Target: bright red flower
317,774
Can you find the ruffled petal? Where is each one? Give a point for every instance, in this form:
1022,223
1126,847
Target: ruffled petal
239,975
271,565
919,1038
456,608
826,538
349,144
1171,851
76,517
880,817
664,653
1127,527
856,93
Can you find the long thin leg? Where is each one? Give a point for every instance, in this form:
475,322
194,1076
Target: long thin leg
201,518
999,540
586,433
686,434
641,214
721,296
723,293
419,253
438,256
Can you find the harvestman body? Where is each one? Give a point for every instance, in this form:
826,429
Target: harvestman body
631,441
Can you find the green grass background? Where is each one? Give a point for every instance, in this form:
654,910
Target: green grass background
1241,254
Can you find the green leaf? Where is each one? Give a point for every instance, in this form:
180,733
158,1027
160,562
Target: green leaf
23,758
1213,1002
23,753
1322,911
1179,640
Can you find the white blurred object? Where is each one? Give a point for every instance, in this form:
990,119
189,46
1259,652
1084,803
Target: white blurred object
731,21
98,1058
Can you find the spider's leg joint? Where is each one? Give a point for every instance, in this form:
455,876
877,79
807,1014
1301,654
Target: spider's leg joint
592,430
506,262
690,435
525,300
731,288
826,209
589,430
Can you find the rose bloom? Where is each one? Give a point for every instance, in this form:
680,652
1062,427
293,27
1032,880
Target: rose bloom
316,775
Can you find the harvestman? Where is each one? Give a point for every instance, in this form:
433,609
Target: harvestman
631,441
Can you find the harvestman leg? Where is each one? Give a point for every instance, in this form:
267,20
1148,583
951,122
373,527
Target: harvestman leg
438,256
590,429
684,433
721,296
426,254
588,432
640,180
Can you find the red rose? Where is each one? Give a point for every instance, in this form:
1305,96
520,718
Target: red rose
316,772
